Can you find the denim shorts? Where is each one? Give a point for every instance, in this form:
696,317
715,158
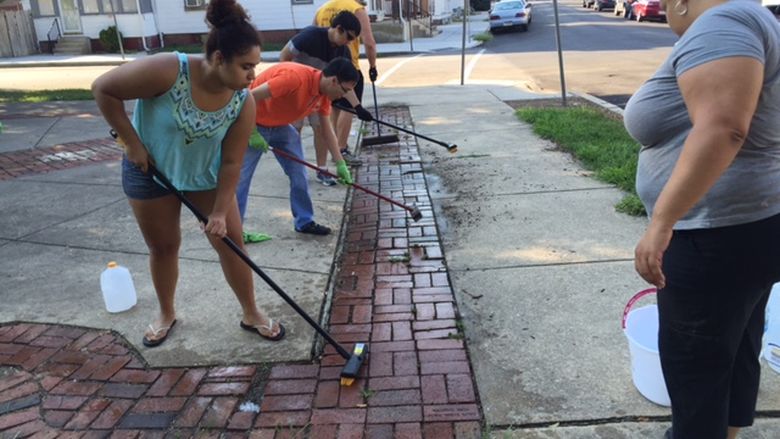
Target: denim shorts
140,186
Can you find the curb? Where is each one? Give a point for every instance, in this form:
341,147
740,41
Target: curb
271,57
600,102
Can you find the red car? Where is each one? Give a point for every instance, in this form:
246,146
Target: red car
647,10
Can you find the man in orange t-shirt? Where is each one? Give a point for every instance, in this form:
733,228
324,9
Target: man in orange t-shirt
285,93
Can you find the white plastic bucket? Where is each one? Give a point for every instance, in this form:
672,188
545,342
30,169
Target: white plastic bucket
641,328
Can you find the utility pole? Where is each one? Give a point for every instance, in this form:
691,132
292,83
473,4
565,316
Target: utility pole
463,44
118,34
560,53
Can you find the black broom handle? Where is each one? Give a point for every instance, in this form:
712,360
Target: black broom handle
229,242
376,111
202,218
387,124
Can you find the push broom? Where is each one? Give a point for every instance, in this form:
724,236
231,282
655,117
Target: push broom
360,351
379,139
451,147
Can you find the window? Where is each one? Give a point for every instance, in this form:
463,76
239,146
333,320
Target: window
90,6
46,7
118,6
129,5
194,4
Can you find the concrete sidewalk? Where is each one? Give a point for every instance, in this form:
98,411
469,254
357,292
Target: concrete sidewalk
450,37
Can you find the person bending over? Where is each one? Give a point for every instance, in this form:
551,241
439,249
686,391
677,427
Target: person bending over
192,121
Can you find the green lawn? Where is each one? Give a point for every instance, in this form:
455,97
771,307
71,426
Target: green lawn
600,143
36,96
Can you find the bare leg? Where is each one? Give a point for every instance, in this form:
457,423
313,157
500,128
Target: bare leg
237,273
158,220
320,148
334,119
733,431
343,126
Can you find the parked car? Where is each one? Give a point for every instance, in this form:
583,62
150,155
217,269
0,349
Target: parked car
509,14
623,7
647,10
773,6
587,3
601,5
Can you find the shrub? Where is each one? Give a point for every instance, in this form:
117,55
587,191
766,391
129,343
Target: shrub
108,39
480,5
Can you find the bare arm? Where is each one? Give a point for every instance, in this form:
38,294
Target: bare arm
132,81
286,54
369,43
352,98
721,97
261,92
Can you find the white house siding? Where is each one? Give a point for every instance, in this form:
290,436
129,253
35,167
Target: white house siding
131,25
147,24
442,9
172,18
266,15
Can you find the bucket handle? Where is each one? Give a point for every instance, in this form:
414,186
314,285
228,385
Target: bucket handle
632,301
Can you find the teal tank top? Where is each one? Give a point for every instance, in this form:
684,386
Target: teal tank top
185,141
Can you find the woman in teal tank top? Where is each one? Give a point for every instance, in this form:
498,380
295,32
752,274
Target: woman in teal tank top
192,120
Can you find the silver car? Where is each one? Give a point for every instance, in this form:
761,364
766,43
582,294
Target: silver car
509,14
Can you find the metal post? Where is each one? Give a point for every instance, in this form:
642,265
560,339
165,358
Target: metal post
410,19
463,44
560,53
118,34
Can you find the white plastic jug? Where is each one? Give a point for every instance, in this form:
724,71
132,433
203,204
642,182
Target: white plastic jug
117,286
771,342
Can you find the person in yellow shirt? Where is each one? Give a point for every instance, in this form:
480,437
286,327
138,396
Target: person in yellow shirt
342,120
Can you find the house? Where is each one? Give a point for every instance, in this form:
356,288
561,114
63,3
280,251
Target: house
11,5
148,24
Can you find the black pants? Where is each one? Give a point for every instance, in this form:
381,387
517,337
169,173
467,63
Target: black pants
711,323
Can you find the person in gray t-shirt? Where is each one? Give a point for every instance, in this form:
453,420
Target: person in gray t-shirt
709,176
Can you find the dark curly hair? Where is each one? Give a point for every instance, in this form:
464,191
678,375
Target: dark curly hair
231,31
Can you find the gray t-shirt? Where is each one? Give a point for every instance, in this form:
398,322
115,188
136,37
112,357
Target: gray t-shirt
656,116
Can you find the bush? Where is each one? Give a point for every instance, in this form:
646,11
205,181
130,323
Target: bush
484,37
480,5
108,39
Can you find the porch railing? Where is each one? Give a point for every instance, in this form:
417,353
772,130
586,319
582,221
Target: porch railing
54,34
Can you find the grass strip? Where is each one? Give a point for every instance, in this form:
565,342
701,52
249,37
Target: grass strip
36,96
599,142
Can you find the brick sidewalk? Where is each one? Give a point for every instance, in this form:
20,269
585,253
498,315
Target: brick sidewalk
392,288
68,155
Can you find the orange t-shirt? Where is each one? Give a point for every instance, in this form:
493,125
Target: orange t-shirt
295,94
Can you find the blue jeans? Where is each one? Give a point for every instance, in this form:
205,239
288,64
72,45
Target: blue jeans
287,139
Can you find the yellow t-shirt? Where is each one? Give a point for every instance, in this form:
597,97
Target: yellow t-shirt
329,10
